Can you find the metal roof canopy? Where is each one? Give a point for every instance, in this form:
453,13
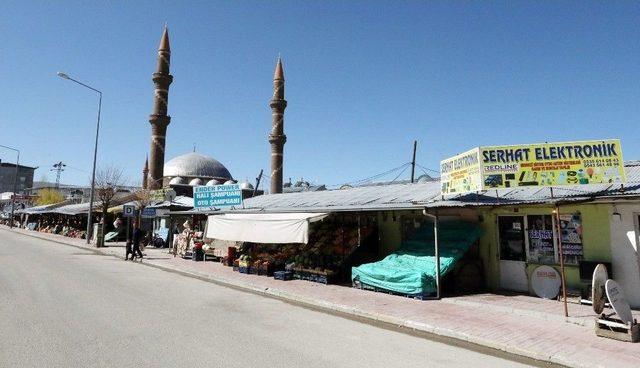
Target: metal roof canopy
427,195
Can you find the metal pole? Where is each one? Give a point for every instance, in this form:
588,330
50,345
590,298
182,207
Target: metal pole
128,226
170,237
562,278
95,154
255,190
437,255
413,161
15,188
93,175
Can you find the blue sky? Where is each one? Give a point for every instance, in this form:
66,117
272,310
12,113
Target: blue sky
363,80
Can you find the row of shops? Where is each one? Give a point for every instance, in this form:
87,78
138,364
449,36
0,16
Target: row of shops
384,237
426,239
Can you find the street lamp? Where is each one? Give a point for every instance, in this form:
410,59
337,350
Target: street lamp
15,184
95,153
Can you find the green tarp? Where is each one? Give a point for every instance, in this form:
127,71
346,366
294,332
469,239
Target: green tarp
411,269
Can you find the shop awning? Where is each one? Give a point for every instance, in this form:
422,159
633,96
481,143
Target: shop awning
276,228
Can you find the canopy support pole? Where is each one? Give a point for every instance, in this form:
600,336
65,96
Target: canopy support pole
436,252
562,278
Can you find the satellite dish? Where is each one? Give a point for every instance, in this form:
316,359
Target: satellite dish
618,302
598,293
545,282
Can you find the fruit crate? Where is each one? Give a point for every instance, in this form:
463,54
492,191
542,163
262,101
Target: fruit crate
324,278
302,275
283,275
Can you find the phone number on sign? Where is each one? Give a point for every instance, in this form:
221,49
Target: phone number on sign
603,162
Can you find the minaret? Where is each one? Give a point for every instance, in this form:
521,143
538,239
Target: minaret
277,138
159,119
145,174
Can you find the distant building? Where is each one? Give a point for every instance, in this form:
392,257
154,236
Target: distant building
8,174
77,193
301,186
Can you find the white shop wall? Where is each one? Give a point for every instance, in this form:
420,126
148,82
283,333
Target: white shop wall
624,250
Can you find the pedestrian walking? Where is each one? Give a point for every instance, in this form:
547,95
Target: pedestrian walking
137,237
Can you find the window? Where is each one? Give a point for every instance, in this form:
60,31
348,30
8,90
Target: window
512,240
571,236
541,240
534,238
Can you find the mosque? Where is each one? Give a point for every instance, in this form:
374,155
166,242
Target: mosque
184,172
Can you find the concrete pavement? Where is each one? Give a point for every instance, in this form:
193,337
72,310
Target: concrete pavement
517,324
69,307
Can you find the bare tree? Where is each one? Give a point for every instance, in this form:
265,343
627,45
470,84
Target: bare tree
143,199
108,180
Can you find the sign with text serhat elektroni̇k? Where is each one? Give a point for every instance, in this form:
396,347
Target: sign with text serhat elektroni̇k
544,164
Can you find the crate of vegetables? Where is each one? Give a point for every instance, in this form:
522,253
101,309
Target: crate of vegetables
283,275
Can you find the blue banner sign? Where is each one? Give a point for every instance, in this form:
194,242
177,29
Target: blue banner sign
217,196
148,212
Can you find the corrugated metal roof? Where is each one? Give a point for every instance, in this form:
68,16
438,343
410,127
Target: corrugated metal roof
419,195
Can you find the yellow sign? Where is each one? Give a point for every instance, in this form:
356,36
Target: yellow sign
546,164
461,173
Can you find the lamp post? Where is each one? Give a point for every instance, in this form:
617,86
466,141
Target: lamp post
15,184
95,153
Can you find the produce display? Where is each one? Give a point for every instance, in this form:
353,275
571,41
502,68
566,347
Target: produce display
331,242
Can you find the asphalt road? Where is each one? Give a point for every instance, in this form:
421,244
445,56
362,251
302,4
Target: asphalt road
65,307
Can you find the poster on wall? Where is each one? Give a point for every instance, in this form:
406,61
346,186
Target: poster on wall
571,237
541,246
545,164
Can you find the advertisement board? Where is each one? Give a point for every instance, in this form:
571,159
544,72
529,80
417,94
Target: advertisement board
545,164
148,212
217,196
461,173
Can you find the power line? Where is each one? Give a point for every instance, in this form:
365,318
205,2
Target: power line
373,177
75,168
403,170
427,169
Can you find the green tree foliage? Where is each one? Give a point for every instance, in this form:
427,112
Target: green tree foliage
49,196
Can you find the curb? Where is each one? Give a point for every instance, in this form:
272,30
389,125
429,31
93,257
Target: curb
431,332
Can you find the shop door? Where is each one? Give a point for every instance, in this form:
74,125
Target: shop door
511,236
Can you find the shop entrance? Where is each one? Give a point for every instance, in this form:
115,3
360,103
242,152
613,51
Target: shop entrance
511,237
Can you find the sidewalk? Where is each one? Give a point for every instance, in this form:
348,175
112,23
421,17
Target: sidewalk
518,324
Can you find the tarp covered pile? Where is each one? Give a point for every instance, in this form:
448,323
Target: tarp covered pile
411,269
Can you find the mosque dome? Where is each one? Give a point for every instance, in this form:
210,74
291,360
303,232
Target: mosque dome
230,182
196,182
213,182
246,185
177,181
195,165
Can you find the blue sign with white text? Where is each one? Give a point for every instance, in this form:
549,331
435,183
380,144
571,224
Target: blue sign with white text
148,213
218,196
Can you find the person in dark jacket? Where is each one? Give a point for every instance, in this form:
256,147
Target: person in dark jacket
137,237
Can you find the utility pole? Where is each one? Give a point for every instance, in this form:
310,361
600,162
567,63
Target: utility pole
255,190
413,161
58,168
